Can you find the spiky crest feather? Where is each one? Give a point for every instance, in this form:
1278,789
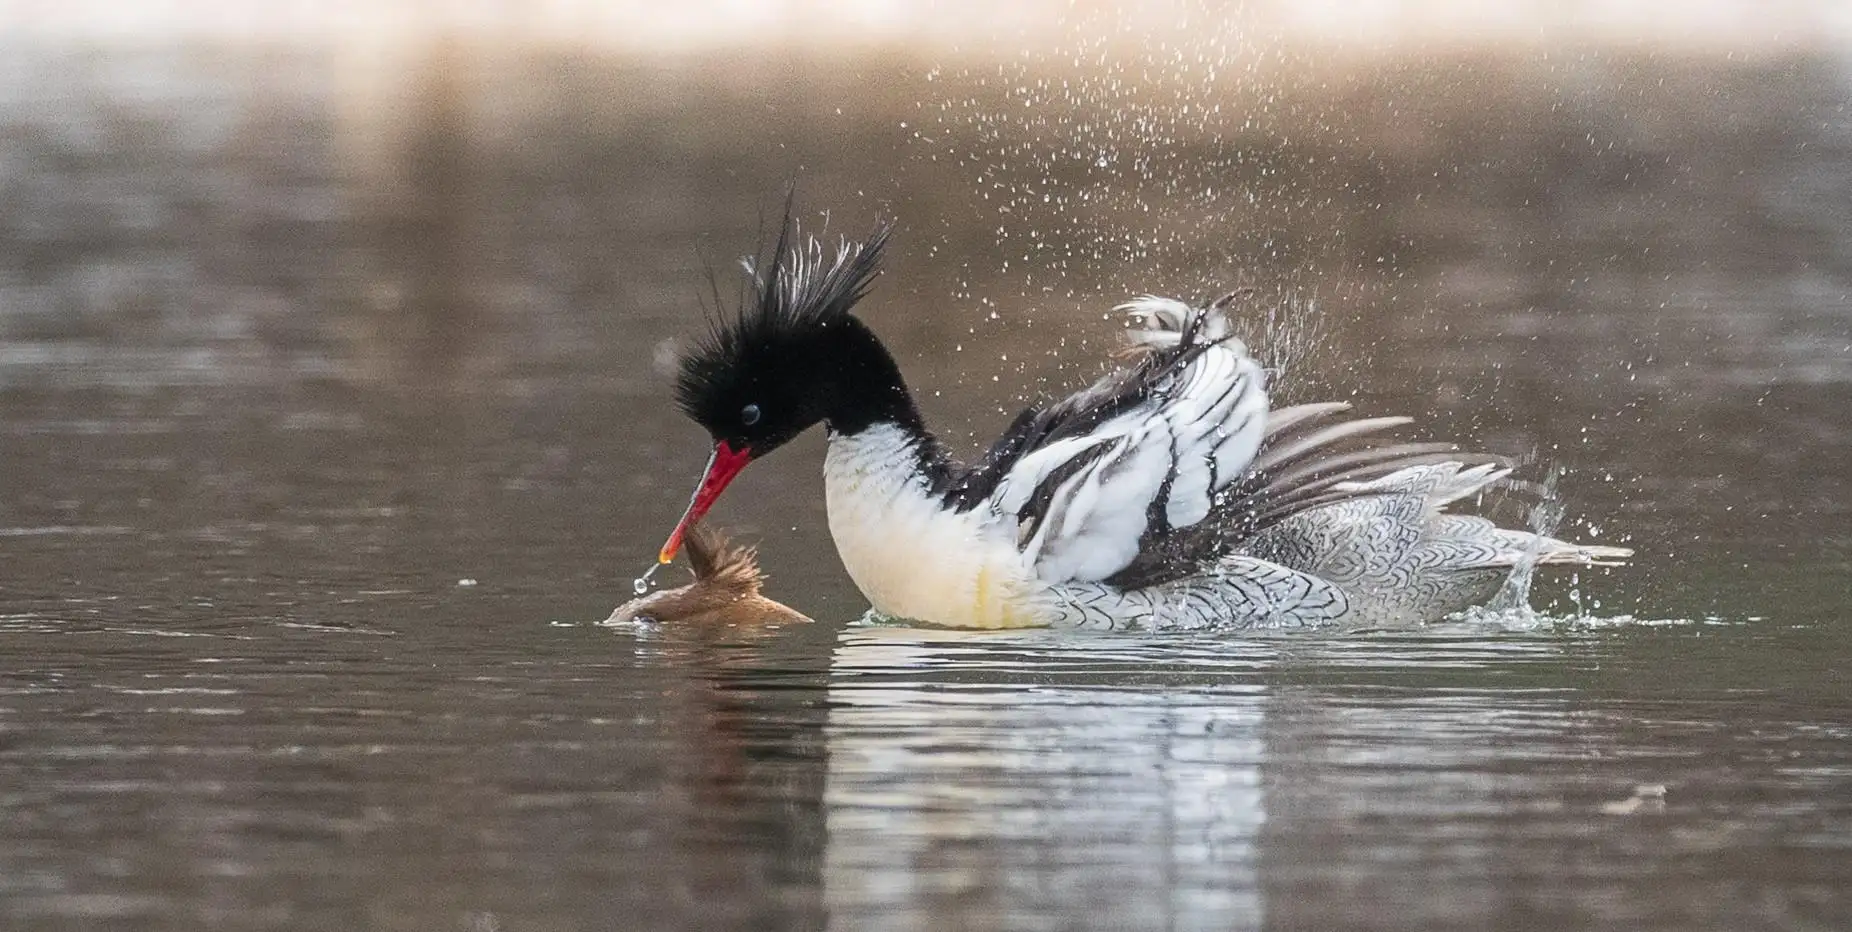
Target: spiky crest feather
799,294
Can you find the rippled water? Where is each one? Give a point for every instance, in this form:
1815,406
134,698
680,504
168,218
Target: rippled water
325,437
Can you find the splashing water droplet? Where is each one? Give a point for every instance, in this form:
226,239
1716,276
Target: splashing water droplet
1545,517
640,584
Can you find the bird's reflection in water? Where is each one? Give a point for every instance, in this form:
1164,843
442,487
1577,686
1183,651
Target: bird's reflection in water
991,780
754,750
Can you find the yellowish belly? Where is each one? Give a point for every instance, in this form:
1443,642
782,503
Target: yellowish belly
941,589
914,559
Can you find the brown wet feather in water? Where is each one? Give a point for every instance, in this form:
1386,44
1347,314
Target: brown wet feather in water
725,590
717,561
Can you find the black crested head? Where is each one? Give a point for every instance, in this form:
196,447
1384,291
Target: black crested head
794,355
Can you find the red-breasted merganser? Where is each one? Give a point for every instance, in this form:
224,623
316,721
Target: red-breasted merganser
1167,494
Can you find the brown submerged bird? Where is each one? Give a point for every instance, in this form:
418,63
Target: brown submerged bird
725,591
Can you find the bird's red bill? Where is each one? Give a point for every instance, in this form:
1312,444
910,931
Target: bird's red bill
721,468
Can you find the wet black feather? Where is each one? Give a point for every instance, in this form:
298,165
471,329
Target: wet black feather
793,353
794,298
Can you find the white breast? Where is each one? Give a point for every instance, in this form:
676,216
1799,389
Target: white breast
911,555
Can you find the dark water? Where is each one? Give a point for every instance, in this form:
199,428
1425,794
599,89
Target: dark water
330,417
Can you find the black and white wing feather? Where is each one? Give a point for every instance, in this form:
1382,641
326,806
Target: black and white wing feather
1163,469
1095,479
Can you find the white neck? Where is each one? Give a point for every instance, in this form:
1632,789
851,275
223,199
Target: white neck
911,554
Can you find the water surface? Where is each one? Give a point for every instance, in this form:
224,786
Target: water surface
325,436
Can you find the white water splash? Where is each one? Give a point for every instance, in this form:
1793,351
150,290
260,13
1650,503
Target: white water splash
1513,598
